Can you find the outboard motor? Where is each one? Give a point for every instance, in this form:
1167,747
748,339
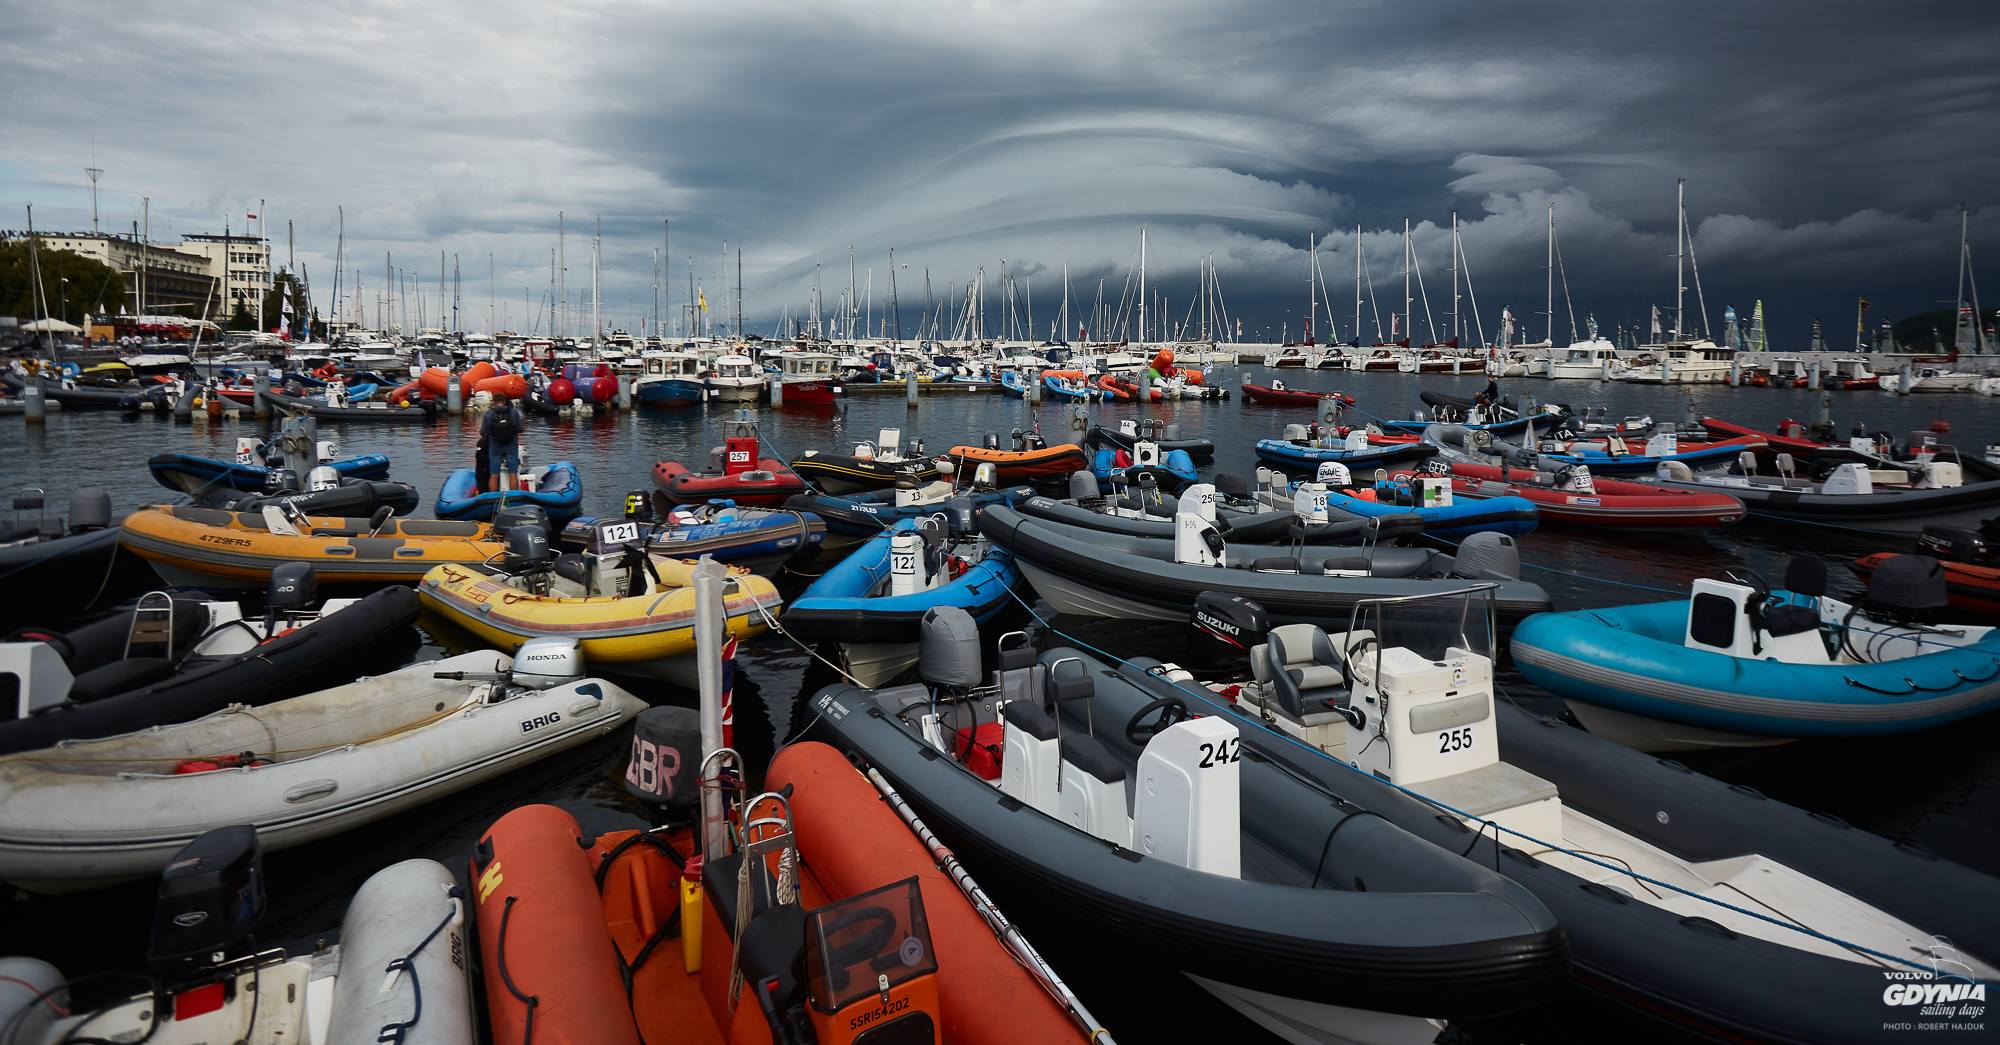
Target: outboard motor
1908,589
639,506
1488,556
666,756
948,648
1309,502
89,509
1083,487
293,589
1171,433
1950,543
992,441
985,477
326,450
280,481
1333,475
960,511
1196,540
547,662
528,552
512,517
1295,433
1223,631
210,899
321,478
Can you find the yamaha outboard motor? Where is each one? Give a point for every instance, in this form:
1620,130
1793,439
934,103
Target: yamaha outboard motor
1909,588
960,511
507,519
666,757
1222,632
293,590
1488,556
528,551
89,509
210,899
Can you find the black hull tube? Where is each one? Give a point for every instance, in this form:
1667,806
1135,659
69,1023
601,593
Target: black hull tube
1387,924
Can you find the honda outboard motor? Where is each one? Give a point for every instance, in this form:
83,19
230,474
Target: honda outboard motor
528,551
548,661
89,509
948,648
666,757
1223,631
1488,556
985,477
1907,588
210,899
507,519
323,477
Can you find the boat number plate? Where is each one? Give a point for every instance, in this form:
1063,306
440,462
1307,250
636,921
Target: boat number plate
611,534
1455,740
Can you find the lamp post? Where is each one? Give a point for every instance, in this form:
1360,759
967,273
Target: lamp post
65,299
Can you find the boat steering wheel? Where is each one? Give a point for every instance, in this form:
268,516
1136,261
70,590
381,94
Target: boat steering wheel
1164,712
867,944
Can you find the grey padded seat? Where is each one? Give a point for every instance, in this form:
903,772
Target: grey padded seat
1302,669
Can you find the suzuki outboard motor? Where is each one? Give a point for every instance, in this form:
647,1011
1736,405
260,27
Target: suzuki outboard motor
1222,631
1950,543
639,506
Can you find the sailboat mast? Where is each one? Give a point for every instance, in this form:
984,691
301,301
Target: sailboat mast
739,291
596,245
1409,310
1549,300
1958,298
1454,277
1680,255
562,279
1142,284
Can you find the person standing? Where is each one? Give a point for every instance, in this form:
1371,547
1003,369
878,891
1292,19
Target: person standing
500,430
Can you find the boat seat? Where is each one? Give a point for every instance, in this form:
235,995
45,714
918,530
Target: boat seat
1029,761
1306,675
1020,675
1091,793
1492,788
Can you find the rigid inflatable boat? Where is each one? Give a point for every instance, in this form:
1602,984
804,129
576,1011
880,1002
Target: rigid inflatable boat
44,555
1426,496
873,465
423,410
630,611
350,498
1740,664
867,514
873,601
396,973
758,539
177,657
97,811
1574,497
1613,456
1142,509
1888,499
1166,436
1021,464
736,472
1086,802
556,488
207,547
1295,453
1276,394
196,476
1682,898
1095,574
627,937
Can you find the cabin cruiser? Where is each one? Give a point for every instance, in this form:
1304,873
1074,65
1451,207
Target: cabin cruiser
1681,362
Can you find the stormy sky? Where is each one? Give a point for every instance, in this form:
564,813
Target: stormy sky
1827,147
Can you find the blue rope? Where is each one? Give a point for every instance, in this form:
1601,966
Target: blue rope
1209,699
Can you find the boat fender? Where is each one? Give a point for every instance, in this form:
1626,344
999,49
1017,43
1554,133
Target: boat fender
666,756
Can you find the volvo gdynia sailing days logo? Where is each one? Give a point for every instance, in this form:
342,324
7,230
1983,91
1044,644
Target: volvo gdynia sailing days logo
1943,998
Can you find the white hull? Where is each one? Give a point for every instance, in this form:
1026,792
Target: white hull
1647,734
875,664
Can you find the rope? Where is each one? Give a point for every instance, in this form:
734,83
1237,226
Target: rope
1209,699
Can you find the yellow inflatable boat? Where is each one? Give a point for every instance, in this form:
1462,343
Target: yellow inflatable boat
209,547
584,597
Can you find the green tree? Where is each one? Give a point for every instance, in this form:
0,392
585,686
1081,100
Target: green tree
92,285
242,318
286,287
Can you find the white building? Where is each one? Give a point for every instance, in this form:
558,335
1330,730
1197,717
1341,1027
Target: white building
157,278
242,265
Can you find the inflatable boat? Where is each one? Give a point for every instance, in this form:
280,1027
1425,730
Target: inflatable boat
98,811
1682,898
1019,465
758,539
352,498
866,514
873,602
631,612
1146,511
1166,436
44,554
207,547
1575,497
736,472
625,937
1613,456
177,657
397,973
557,489
1425,496
1095,574
873,465
423,410
1741,664
1891,499
1276,394
1085,802
1354,451
196,476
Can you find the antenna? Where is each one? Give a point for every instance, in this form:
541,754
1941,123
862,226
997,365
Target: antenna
95,173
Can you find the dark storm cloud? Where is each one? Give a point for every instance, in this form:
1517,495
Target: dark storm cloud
1827,146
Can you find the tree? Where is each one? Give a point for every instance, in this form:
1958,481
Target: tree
286,287
242,318
93,285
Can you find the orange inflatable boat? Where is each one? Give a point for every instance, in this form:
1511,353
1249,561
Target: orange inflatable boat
1016,466
890,949
434,380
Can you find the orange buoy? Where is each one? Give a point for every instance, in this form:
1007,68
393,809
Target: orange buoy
513,386
1163,360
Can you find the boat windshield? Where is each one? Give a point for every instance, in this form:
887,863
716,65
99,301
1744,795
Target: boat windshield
1437,626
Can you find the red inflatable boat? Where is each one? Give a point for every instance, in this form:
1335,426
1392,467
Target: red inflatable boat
892,950
737,472
1606,502
1276,395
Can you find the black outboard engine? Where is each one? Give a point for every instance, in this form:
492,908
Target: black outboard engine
639,506
960,511
1907,589
666,758
293,590
1954,544
528,552
1488,556
1222,631
279,481
507,519
89,509
210,899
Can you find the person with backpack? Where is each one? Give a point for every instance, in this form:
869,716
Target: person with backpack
500,430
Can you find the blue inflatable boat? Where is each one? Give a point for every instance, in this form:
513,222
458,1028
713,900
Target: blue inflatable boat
1014,383
1303,457
850,604
1739,666
1452,522
758,539
558,491
1174,472
195,476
